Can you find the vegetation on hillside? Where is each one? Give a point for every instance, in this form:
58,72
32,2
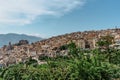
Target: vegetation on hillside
79,64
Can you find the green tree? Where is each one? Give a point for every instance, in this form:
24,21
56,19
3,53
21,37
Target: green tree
105,41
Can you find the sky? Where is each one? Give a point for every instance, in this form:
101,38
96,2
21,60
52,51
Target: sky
47,18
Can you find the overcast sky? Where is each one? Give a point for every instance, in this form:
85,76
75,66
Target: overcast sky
48,18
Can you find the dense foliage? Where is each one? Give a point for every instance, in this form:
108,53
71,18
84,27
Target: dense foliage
105,41
77,65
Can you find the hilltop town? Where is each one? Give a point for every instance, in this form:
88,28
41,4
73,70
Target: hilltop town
20,52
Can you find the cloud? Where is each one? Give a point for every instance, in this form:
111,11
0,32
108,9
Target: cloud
25,11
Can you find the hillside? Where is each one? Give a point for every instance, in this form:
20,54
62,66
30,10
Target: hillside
59,58
52,46
14,38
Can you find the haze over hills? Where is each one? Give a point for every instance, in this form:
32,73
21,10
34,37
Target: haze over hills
14,38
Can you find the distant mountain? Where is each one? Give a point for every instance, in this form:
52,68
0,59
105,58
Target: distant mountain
14,38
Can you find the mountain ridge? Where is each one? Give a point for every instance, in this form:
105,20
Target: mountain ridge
14,38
